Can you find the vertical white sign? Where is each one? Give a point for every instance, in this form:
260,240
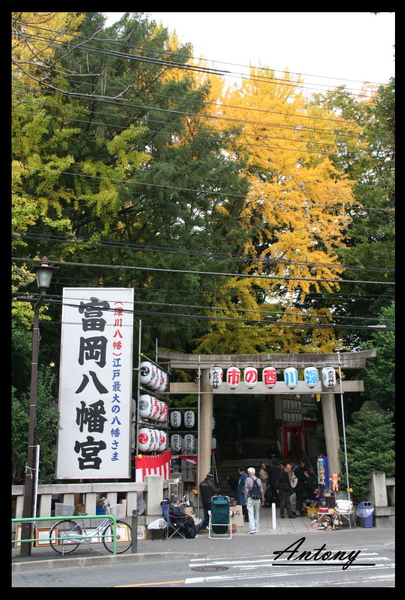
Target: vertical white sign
95,386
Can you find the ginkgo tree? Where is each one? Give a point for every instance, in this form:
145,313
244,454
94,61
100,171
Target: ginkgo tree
295,210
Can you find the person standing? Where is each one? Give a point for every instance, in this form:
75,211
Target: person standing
301,473
240,494
207,490
254,498
284,491
264,478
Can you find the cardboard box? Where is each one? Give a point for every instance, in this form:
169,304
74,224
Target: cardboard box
237,515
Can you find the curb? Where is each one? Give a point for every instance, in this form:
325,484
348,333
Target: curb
91,561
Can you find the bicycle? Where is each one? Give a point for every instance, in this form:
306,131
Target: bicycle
65,536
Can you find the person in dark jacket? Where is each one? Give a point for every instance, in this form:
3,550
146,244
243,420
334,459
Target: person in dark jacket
207,490
301,488
284,491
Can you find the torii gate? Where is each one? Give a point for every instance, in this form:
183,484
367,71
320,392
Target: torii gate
203,364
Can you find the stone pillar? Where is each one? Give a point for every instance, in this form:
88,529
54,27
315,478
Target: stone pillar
205,433
331,434
155,494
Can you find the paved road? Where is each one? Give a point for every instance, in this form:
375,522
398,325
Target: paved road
246,560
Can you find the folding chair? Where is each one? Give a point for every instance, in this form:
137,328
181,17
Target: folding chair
219,525
174,524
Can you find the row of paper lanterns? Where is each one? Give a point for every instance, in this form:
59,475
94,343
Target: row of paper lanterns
152,408
152,376
269,377
188,417
187,443
152,440
156,440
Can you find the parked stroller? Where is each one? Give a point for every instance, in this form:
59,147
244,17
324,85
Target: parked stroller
219,525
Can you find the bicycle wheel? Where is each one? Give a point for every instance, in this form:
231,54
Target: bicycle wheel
124,537
68,531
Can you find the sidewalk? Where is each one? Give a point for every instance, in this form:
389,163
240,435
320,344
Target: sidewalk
158,549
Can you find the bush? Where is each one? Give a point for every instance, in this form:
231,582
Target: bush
370,447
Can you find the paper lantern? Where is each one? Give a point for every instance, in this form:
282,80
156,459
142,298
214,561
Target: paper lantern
250,377
233,377
147,439
216,377
269,377
163,413
176,442
175,418
329,377
291,377
146,406
311,376
213,443
164,380
146,372
162,441
189,443
155,381
189,419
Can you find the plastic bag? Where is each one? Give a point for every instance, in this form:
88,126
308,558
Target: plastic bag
158,524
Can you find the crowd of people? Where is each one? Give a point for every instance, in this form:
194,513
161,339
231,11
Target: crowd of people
276,482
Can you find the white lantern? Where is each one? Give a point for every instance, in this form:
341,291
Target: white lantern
155,409
164,379
162,441
146,372
189,419
175,418
233,377
145,406
311,376
250,377
189,443
163,412
291,377
213,443
269,377
176,442
155,382
216,377
329,377
146,439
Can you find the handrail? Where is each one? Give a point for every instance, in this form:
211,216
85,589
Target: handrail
69,518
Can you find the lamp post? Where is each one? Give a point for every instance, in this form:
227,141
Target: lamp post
44,274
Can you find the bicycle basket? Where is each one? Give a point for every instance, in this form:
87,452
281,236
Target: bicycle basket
64,510
116,511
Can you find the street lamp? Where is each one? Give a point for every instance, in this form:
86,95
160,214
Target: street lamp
44,274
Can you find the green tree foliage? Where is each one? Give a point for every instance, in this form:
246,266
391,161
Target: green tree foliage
228,211
369,159
366,451
46,427
379,374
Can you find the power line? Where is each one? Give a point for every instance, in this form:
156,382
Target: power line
174,64
214,319
190,252
212,273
